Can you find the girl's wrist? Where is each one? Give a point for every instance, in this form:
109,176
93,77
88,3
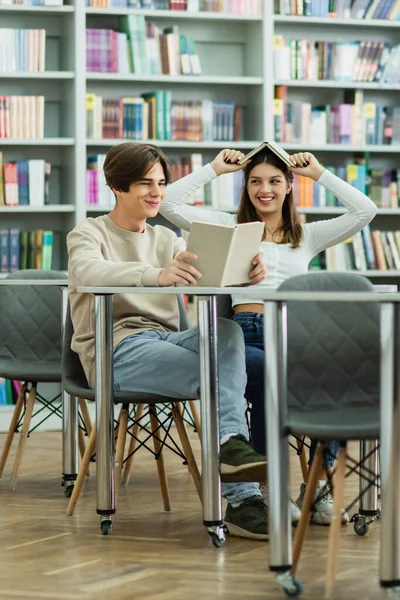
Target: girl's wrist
215,167
318,172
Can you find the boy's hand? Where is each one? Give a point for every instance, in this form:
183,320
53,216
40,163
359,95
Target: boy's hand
313,170
226,162
179,272
259,273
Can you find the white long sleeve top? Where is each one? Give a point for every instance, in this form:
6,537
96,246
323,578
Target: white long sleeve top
281,260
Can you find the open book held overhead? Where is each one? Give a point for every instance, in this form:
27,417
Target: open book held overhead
225,252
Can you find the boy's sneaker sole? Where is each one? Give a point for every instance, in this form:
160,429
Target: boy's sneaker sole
250,472
243,533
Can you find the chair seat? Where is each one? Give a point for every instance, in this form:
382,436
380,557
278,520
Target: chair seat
81,389
26,370
358,423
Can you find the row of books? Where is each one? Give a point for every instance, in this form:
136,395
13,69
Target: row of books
25,249
356,123
24,182
340,61
22,117
243,7
342,9
152,51
22,50
366,250
9,391
32,2
156,116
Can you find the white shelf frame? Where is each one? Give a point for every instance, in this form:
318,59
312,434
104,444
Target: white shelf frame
172,14
47,141
328,84
47,10
41,75
176,144
378,23
47,208
174,79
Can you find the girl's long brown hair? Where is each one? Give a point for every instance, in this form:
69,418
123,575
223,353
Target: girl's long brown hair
292,230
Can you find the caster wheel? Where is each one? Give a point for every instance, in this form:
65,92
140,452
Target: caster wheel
105,527
295,590
217,541
360,527
68,489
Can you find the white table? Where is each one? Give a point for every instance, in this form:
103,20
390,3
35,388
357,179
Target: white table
69,403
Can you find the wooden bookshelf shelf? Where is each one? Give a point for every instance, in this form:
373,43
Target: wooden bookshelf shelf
378,23
54,75
171,79
48,208
351,85
48,10
173,14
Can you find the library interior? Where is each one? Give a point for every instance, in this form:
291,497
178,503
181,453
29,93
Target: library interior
212,186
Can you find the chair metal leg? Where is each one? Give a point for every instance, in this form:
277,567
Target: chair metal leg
23,436
13,428
196,416
162,474
334,530
132,445
302,526
187,448
119,453
302,459
368,509
84,466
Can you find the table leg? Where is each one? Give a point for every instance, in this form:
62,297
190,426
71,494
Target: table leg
390,447
69,422
209,407
103,306
280,535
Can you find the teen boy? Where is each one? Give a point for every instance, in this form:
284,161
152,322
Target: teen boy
150,353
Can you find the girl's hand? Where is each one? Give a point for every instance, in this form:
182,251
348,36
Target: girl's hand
313,170
226,162
259,273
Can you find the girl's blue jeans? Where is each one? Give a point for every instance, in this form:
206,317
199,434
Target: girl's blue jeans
252,325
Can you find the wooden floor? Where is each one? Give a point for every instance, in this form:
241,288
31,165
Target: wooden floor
149,554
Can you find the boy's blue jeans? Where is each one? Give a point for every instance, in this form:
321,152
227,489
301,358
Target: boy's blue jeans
167,363
252,325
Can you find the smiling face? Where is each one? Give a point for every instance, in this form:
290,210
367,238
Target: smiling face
143,199
267,189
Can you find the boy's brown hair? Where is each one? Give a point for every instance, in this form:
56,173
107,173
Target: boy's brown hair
129,162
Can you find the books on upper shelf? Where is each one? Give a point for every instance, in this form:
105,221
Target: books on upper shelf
22,117
366,250
224,252
22,50
352,123
310,60
143,49
155,115
243,7
25,249
342,9
32,2
24,182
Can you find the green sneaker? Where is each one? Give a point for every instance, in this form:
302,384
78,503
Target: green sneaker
240,462
249,520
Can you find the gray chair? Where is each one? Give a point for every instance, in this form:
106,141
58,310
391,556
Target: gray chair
30,351
331,391
75,384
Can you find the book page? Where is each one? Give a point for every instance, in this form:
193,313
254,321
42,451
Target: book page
211,243
245,246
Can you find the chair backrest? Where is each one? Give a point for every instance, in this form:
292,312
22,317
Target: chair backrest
72,371
224,306
30,318
333,347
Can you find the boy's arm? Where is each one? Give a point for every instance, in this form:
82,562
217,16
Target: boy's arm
87,265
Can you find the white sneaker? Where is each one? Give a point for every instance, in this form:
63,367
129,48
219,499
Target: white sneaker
323,505
295,512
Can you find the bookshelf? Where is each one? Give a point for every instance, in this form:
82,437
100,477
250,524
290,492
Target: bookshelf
235,52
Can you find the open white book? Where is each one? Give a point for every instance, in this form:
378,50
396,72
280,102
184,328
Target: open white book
225,252
280,152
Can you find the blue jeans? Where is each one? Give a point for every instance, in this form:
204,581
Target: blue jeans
252,325
167,363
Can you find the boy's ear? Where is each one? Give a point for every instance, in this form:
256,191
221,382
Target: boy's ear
289,188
